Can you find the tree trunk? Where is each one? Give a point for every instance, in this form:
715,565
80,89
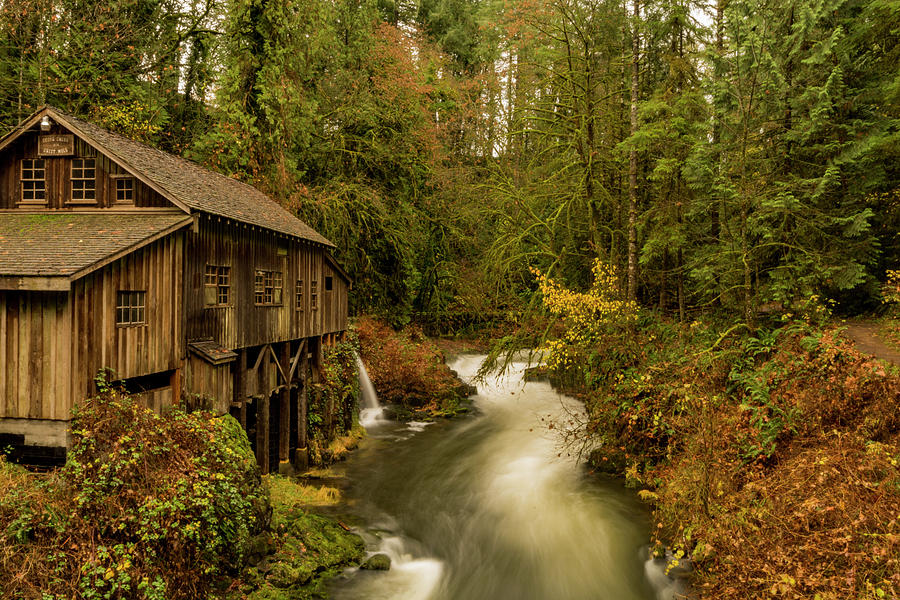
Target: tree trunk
680,280
663,301
632,159
717,214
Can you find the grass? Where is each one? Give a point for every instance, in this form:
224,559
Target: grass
287,493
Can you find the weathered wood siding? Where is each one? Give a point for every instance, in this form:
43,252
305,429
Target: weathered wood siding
208,383
334,301
157,346
35,355
58,177
245,249
155,400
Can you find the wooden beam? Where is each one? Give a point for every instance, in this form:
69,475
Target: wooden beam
278,363
38,284
240,380
300,352
302,403
262,434
284,409
260,357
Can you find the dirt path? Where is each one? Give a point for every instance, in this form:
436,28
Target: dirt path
865,335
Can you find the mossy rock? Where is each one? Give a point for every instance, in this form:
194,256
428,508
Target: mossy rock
260,546
311,550
326,543
609,462
377,562
285,575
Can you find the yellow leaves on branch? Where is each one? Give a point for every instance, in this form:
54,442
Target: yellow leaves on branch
601,304
584,313
891,289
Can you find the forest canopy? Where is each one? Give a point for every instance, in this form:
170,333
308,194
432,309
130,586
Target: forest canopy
736,154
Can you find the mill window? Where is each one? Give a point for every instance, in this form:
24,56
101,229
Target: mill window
125,190
329,284
130,308
299,294
34,183
217,285
84,180
314,295
267,288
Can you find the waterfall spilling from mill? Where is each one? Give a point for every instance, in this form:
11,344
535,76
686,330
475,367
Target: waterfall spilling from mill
370,411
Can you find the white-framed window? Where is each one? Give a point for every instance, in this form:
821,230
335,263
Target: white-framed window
34,181
131,308
267,288
84,180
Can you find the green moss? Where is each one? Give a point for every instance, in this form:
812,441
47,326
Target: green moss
289,493
304,549
312,549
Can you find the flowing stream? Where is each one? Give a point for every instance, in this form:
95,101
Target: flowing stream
492,507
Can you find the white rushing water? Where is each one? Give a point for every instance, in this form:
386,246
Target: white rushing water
494,507
371,412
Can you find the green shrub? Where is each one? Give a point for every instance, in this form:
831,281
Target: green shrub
146,506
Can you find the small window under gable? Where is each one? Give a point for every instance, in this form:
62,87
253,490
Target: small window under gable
124,190
34,181
84,181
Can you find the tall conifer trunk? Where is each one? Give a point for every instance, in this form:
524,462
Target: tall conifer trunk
632,159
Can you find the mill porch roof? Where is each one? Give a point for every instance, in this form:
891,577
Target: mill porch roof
72,244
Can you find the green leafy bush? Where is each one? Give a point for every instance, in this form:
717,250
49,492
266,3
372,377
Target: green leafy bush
333,407
146,506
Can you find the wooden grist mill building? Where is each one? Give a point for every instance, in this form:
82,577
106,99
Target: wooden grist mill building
186,286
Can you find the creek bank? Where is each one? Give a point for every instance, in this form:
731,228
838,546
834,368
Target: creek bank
302,551
770,459
409,373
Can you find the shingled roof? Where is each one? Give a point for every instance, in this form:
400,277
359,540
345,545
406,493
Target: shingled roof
187,184
67,244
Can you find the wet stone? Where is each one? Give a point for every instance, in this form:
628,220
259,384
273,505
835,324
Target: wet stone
378,562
